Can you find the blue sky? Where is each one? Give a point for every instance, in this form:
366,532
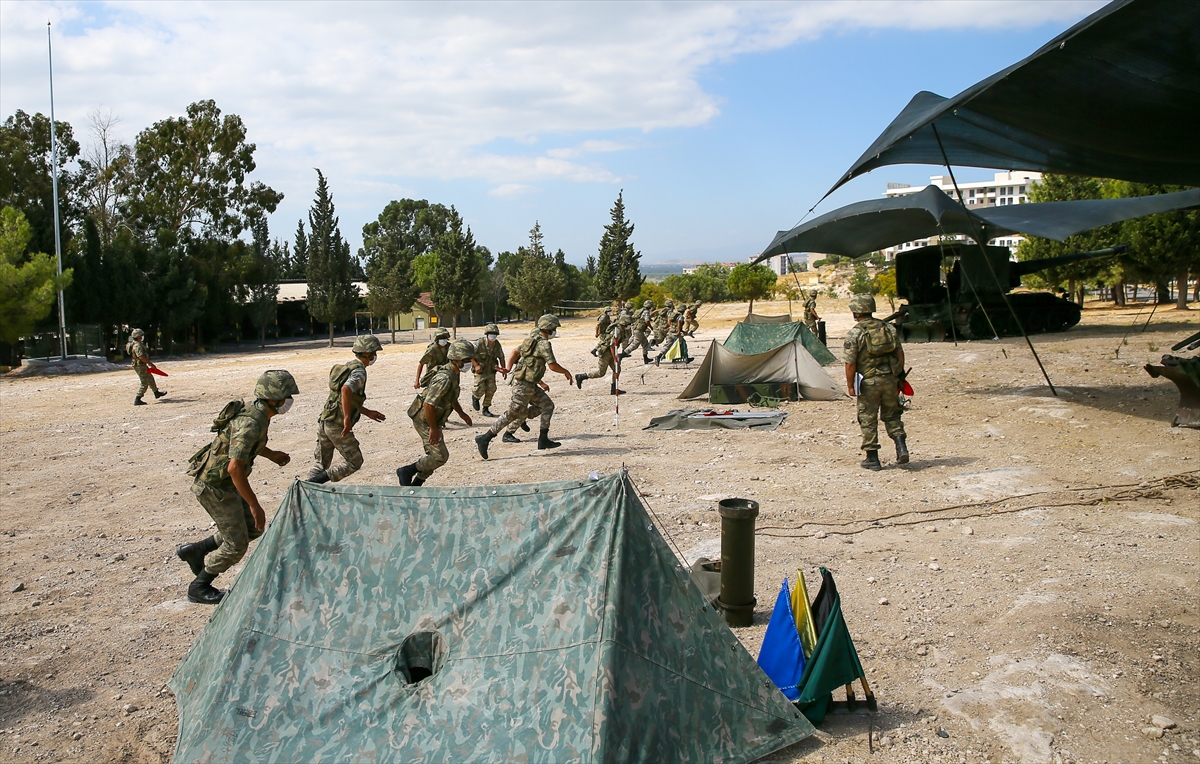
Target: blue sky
722,122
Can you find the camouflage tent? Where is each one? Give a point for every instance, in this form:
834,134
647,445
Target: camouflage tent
788,372
531,623
753,337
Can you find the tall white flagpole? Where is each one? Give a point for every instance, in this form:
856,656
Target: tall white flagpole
62,315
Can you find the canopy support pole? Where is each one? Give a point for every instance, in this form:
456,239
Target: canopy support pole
991,270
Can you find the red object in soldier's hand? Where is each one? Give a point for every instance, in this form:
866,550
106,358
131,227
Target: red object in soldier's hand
159,372
906,388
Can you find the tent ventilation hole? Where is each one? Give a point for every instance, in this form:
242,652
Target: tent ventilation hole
421,655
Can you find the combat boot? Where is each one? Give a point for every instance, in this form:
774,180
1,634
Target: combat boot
623,354
872,461
407,474
138,401
474,403
525,426
645,360
159,393
487,411
318,477
193,554
901,449
579,380
595,352
481,442
510,438
202,592
544,441
612,390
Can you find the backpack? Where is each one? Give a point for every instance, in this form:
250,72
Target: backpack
879,338
337,377
199,461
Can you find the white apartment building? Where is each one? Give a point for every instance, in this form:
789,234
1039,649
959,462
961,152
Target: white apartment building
1004,189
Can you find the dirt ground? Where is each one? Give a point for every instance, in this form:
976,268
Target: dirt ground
994,625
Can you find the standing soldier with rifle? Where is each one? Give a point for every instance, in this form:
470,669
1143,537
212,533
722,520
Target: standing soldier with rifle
222,486
874,372
335,424
529,363
139,355
430,410
489,359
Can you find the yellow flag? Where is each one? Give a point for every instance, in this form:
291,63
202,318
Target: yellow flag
802,612
675,353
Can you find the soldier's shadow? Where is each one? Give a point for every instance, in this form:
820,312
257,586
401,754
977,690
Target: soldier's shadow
174,399
559,452
916,465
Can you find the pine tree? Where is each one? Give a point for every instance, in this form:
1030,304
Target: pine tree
332,295
456,277
536,283
618,265
298,265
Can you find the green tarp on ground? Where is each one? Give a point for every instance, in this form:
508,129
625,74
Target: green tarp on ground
566,630
681,419
751,338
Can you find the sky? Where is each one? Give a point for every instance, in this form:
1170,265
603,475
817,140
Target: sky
720,123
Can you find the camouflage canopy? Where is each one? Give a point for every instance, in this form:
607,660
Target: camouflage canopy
753,337
535,623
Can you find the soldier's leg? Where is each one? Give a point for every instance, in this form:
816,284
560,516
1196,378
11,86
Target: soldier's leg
868,414
146,381
488,390
235,526
348,447
606,362
322,453
435,455
543,405
515,415
890,410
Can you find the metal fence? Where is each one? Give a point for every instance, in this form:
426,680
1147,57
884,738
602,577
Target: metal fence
82,340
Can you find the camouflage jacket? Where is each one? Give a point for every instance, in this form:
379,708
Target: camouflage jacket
873,347
536,353
353,375
441,393
489,356
138,351
241,434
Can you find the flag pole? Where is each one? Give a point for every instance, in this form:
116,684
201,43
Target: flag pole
62,316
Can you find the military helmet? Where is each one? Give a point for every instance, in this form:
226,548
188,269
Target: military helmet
138,334
668,302
275,385
548,323
491,329
862,303
629,304
442,334
608,309
366,343
461,350
648,304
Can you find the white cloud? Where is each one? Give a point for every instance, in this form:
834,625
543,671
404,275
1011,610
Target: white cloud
512,189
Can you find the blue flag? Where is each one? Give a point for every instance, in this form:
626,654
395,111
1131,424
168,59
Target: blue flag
782,656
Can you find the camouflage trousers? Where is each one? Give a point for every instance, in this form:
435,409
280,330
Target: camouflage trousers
528,401
606,362
147,380
235,525
329,437
660,333
690,326
878,398
435,455
638,340
485,388
811,323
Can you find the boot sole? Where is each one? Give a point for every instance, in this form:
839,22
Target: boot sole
197,568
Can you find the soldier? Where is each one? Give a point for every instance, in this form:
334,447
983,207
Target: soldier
222,486
810,312
661,321
637,333
628,308
489,359
139,355
430,410
603,321
529,398
607,350
874,370
433,357
691,320
335,424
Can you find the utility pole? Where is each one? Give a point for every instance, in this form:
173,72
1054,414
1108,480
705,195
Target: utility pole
62,314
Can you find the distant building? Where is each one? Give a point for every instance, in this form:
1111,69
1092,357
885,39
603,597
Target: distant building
781,264
1004,189
422,316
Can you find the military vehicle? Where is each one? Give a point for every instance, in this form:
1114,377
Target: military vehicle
959,303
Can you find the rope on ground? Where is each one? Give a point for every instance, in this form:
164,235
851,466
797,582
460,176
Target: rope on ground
1119,492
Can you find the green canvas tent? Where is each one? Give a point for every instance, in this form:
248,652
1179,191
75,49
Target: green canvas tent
786,372
536,623
753,337
758,318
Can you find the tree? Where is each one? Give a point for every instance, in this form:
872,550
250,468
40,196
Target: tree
1059,188
332,295
885,284
26,182
696,286
29,282
260,292
103,167
618,272
455,284
404,231
190,173
537,282
751,282
297,267
1164,246
860,282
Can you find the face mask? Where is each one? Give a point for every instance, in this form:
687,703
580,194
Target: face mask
553,334
372,360
443,343
285,406
491,337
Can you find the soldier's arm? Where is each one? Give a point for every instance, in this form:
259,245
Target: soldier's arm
237,472
512,357
851,369
435,432
553,366
347,410
279,457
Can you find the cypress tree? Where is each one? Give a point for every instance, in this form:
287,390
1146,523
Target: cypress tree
618,265
332,295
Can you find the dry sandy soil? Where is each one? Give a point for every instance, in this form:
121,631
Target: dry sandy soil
1024,590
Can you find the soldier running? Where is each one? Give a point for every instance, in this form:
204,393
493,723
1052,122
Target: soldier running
335,424
661,322
433,357
637,333
430,410
489,359
139,355
606,351
222,486
529,398
875,361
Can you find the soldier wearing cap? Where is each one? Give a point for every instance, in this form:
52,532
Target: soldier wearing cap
222,486
529,363
433,357
874,369
139,355
430,410
606,351
489,359
335,424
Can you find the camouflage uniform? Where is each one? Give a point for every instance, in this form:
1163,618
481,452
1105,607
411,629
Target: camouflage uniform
637,334
604,348
603,321
138,350
331,422
434,355
441,392
810,311
878,396
690,324
661,322
489,357
528,400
